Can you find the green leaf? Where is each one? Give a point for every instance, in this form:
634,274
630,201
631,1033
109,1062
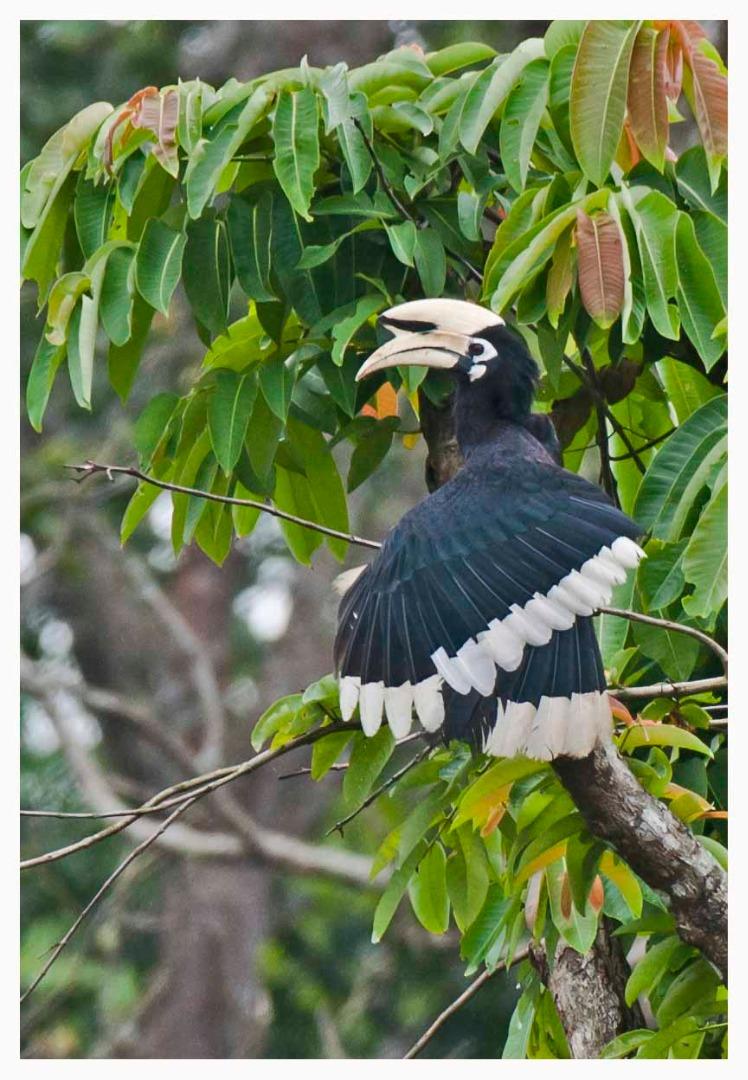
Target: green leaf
245,517
675,653
327,751
47,360
460,55
651,968
194,96
598,93
296,139
117,295
81,342
686,387
660,575
273,720
393,894
159,264
662,1041
563,33
485,928
522,258
711,234
228,415
662,735
326,486
368,759
346,329
209,157
207,272
705,559
428,891
250,233
294,495
697,981
692,179
520,1028
124,359
151,425
431,262
368,455
490,90
520,121
240,346
467,878
352,145
141,501
699,298
41,253
403,239
265,430
655,218
63,298
92,211
680,469
625,1044
277,378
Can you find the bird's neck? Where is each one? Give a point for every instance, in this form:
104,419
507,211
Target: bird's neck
483,417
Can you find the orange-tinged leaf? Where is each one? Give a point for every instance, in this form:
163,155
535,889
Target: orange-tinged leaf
620,712
129,110
601,267
386,400
647,98
623,878
540,862
493,820
597,894
674,69
628,154
721,814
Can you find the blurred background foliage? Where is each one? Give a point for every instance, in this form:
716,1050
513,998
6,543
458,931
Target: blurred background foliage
149,974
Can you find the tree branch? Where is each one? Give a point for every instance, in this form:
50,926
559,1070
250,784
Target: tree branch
90,468
463,999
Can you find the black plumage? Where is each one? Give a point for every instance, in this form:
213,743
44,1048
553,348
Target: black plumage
483,592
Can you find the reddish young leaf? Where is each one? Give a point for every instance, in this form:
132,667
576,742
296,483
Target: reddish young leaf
159,113
628,154
597,894
705,86
385,403
130,109
566,895
601,266
674,69
647,99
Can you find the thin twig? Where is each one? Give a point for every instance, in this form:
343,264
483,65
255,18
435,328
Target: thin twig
143,846
206,783
668,689
597,394
401,208
90,468
339,825
668,624
644,446
463,999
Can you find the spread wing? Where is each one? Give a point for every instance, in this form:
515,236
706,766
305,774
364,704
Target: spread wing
493,562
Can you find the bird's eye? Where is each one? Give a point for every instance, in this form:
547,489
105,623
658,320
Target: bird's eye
476,348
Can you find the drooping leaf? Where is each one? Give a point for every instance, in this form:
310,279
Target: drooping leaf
647,100
158,264
250,231
93,213
651,968
124,359
430,261
158,113
686,387
206,269
680,469
601,268
428,891
705,559
490,90
699,298
47,360
228,415
352,144
655,218
151,424
296,141
118,295
598,93
520,121
692,179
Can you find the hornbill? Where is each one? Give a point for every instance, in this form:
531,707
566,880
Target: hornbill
476,612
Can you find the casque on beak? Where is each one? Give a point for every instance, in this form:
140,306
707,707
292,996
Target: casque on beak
435,333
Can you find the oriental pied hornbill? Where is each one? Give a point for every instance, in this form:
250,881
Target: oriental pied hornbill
476,611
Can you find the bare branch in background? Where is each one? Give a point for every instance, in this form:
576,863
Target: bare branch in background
91,468
463,999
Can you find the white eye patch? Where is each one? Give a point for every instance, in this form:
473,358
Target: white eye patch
481,351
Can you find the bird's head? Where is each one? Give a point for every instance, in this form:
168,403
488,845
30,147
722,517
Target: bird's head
465,340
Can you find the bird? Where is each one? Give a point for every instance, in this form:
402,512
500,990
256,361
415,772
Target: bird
476,613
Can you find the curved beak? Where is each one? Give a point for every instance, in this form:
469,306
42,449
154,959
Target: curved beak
430,348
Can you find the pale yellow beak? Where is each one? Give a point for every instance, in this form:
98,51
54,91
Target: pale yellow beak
432,348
